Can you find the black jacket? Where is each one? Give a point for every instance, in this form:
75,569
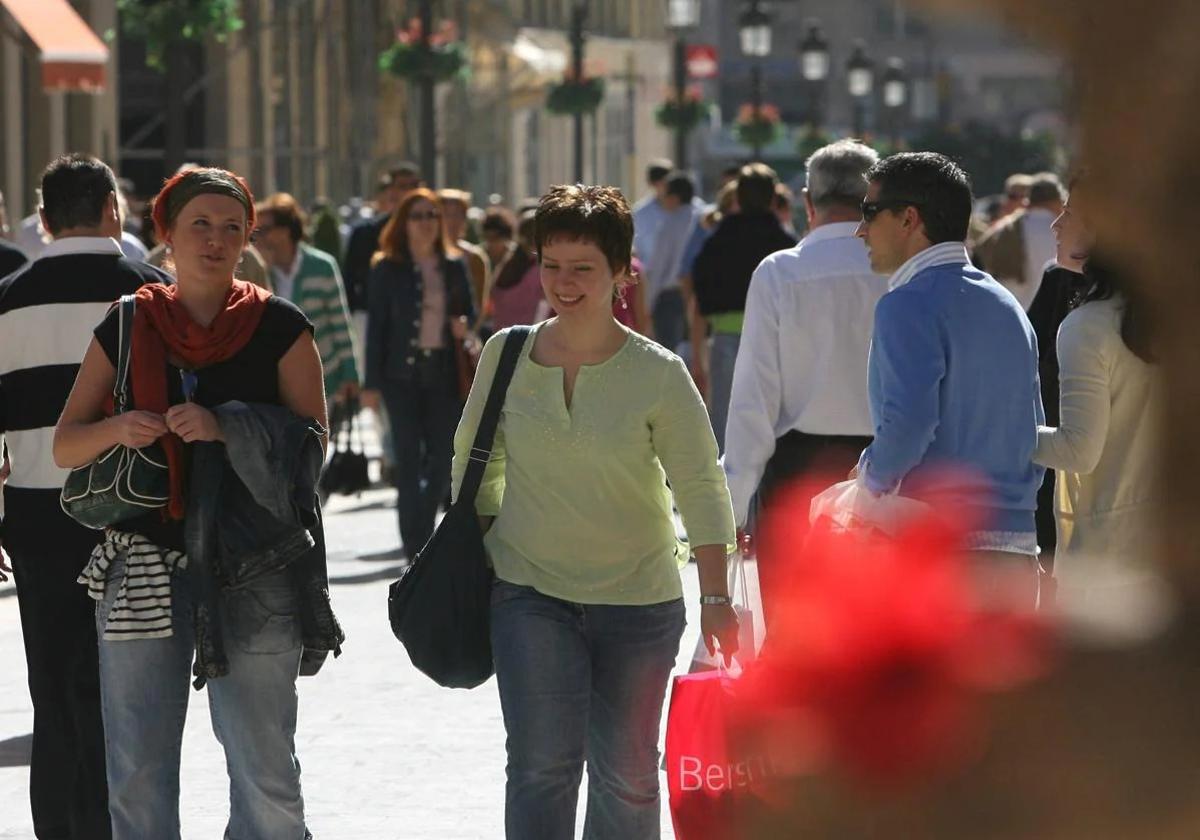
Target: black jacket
11,258
363,243
394,316
1054,300
253,510
722,271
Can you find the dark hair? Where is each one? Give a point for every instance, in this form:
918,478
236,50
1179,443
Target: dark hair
679,184
1045,189
935,185
393,239
756,184
599,215
658,169
74,190
1106,281
513,269
499,220
407,169
285,212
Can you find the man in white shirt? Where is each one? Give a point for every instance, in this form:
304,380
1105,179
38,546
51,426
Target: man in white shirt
799,398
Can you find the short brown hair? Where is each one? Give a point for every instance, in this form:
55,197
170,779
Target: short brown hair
756,188
285,212
599,215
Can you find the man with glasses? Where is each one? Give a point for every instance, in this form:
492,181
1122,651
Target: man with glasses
953,375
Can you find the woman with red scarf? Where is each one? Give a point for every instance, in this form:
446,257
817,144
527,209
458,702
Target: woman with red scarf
207,340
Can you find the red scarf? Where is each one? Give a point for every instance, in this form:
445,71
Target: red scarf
162,330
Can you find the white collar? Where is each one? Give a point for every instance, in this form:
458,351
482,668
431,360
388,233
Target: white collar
293,269
830,230
82,245
944,253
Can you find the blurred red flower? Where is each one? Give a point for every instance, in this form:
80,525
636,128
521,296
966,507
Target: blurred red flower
878,661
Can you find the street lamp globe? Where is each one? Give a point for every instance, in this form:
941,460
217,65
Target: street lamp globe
895,84
860,73
683,14
755,31
814,55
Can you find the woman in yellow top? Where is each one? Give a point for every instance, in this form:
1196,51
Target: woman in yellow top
587,611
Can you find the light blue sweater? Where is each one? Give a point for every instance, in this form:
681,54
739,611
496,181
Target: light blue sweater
954,395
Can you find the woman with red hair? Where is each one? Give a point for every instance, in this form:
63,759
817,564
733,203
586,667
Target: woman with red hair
200,346
418,308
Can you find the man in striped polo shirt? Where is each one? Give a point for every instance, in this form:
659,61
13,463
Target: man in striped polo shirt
48,310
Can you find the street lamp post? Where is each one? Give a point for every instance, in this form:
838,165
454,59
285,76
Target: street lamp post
427,101
895,95
578,16
814,67
755,35
860,79
681,16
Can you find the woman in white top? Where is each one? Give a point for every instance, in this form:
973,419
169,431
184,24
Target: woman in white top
1104,448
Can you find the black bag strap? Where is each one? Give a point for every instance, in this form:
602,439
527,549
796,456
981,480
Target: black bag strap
124,345
481,450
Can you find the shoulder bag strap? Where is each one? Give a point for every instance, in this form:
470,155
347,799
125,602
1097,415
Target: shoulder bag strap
481,451
124,344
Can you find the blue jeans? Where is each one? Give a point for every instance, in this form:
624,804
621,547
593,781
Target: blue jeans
670,319
144,686
722,353
582,682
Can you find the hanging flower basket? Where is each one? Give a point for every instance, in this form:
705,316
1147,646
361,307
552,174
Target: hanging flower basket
443,59
570,97
684,115
757,127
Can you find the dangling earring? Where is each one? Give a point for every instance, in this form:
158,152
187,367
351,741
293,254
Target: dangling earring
621,296
169,249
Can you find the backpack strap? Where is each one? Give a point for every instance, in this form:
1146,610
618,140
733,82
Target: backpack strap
125,314
481,450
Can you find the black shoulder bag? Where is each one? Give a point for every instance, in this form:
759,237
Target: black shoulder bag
440,607
122,483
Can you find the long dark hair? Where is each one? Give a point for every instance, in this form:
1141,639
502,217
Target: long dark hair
1106,281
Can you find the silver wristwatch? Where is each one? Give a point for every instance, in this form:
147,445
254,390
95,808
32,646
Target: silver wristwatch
715,600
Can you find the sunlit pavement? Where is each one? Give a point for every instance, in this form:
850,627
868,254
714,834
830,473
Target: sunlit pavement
385,752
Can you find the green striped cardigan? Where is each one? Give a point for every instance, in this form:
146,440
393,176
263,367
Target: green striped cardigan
318,291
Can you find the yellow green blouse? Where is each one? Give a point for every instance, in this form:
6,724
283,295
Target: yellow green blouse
580,496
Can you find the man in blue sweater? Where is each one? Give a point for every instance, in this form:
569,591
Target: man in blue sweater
953,379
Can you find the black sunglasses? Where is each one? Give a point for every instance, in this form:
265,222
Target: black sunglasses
426,216
871,209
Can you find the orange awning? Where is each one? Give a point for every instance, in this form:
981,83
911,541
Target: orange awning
73,57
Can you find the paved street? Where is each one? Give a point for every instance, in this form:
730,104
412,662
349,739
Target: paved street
386,753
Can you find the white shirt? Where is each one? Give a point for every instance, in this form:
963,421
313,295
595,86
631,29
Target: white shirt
132,247
285,281
1039,249
802,363
944,253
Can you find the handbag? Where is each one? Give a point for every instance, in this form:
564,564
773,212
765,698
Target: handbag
346,472
718,783
121,483
440,608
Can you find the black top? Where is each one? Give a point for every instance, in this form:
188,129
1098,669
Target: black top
356,268
1051,305
723,268
11,258
250,375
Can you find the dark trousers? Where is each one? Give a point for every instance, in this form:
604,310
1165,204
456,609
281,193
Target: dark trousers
670,319
67,789
424,413
1047,525
799,455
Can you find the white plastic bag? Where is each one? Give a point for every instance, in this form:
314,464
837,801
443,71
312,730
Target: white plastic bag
747,605
851,506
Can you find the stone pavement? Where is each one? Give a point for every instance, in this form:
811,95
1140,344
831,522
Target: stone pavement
386,753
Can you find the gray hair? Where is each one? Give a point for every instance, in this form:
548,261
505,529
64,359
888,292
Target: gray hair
836,173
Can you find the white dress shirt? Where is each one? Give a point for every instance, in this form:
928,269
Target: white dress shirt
802,363
285,280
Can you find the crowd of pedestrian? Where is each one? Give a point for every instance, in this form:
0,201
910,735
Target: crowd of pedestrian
683,358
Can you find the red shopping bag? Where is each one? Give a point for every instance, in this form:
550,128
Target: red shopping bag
714,784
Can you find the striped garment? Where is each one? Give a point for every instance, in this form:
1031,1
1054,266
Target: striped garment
315,285
48,310
142,607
